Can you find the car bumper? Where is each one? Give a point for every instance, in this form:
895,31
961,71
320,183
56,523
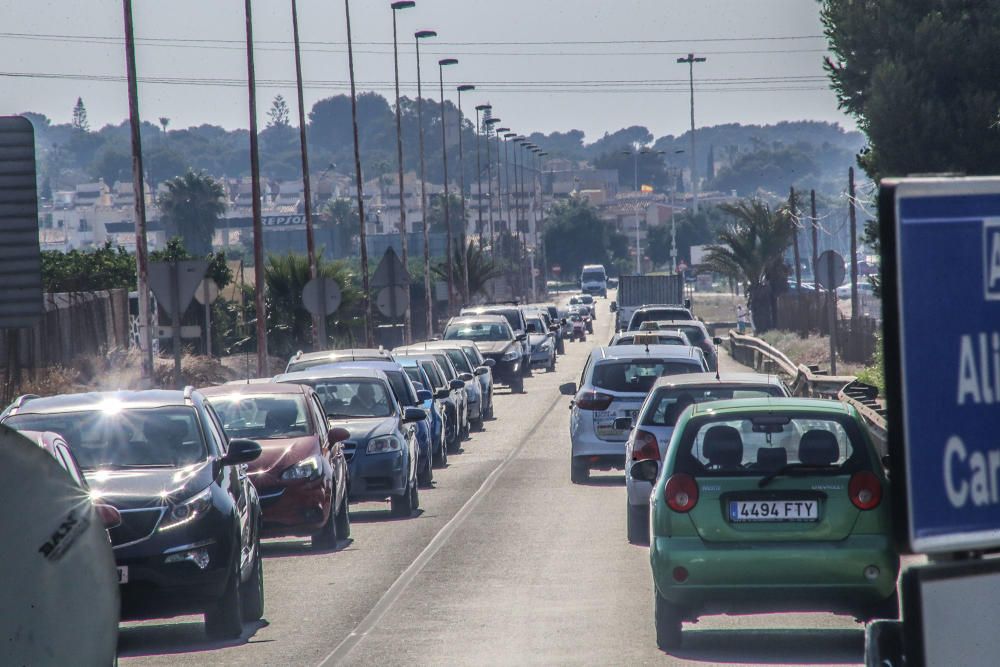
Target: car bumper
586,443
297,508
505,371
376,476
541,358
766,577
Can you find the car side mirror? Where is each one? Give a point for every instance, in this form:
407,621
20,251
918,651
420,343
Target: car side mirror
645,471
687,303
457,384
489,363
623,424
442,394
424,395
521,337
110,517
717,340
466,377
241,451
886,460
613,307
568,389
339,434
482,370
411,415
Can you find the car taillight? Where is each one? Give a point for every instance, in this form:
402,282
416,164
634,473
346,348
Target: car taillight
645,447
681,493
865,490
593,400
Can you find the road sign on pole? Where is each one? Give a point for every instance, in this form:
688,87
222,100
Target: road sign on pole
390,272
942,356
20,256
391,301
206,294
829,272
174,284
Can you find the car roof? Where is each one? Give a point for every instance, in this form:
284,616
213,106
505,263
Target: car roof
358,353
612,352
777,404
95,400
652,306
436,345
331,372
686,323
486,318
724,379
252,389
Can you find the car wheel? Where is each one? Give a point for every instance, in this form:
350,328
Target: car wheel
517,384
579,472
590,328
224,619
489,409
477,424
252,591
552,364
343,520
637,520
406,504
441,453
326,537
668,624
426,476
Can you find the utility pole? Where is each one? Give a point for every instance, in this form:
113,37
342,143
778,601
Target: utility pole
138,188
429,296
854,244
447,201
366,297
690,61
258,224
815,231
461,181
405,257
319,322
795,243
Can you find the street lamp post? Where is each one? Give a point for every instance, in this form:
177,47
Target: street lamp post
445,62
464,88
407,324
429,296
489,123
479,167
690,60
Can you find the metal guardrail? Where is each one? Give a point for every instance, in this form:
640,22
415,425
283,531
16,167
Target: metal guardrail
809,381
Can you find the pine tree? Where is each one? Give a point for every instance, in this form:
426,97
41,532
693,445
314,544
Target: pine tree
278,114
80,116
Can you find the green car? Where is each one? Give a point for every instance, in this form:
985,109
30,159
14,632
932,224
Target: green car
769,505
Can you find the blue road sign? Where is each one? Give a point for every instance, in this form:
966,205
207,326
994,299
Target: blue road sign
942,284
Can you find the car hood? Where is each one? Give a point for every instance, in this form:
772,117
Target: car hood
132,488
537,339
279,453
494,346
365,429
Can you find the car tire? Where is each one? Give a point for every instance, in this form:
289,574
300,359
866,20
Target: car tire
426,476
517,384
326,537
224,619
579,472
252,591
407,503
343,520
489,409
637,521
441,455
552,365
668,624
477,424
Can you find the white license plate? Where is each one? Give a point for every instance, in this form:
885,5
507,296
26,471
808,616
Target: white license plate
773,510
123,574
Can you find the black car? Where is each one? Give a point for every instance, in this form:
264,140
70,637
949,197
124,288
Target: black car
512,313
496,340
189,538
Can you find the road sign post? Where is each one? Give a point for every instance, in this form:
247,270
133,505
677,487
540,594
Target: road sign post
830,273
174,284
392,281
206,294
321,297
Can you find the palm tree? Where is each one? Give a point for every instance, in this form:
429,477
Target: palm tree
190,208
752,249
481,270
341,217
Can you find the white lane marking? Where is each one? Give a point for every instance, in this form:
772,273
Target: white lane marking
410,573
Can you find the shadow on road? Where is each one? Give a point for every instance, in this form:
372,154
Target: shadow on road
773,647
173,638
604,480
381,516
295,547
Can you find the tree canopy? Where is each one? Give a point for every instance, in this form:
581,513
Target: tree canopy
189,209
575,235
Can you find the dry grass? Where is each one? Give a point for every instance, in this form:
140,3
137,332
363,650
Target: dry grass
714,307
811,351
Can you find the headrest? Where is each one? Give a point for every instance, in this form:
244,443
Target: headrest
281,415
771,458
163,430
819,448
723,447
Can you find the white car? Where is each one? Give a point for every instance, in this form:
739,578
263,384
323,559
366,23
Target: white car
654,426
864,287
614,384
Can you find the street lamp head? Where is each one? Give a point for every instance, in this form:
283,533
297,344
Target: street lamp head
403,4
484,107
447,61
508,135
464,88
626,152
424,34
502,129
492,121
544,154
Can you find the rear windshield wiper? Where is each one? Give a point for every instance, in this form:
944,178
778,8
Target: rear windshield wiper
792,468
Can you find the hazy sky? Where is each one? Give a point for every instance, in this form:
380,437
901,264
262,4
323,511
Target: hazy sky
595,65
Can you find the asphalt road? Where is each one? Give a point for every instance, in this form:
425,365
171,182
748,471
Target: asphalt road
508,563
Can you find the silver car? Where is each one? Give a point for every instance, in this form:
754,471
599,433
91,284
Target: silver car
652,428
613,385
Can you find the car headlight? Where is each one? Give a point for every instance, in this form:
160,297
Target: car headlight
187,511
305,469
545,346
511,355
382,444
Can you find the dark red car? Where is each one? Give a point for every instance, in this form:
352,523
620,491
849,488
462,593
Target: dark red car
301,475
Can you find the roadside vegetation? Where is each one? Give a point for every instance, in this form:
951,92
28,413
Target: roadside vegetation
811,351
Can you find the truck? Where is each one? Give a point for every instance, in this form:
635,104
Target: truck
647,290
594,280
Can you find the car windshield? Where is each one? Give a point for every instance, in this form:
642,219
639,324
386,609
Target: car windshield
347,398
536,326
763,444
589,276
481,331
130,437
666,404
646,339
263,417
694,333
665,314
512,315
458,358
639,376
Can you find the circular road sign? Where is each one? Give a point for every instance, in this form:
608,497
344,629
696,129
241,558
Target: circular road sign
321,296
392,301
829,270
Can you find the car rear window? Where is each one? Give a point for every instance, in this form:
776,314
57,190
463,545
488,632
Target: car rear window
666,404
741,447
693,332
641,375
659,314
650,340
513,316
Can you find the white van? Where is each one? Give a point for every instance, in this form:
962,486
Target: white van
594,280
